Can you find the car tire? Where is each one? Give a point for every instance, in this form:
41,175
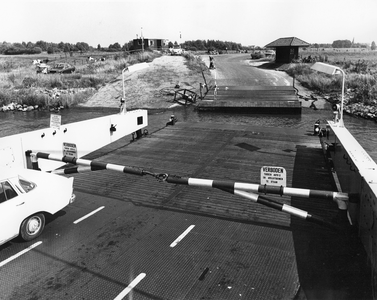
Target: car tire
32,227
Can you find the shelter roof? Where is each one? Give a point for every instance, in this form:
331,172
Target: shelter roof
286,42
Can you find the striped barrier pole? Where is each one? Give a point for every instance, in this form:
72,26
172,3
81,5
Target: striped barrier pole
241,189
73,170
340,198
294,211
93,165
254,197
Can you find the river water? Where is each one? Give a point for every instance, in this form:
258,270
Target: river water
365,131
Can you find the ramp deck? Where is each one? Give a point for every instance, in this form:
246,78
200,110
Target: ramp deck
269,99
265,253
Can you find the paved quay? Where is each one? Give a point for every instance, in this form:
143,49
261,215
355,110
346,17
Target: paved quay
238,249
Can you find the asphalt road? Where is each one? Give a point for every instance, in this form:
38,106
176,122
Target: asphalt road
238,69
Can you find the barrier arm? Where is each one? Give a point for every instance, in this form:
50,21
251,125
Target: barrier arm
246,190
340,198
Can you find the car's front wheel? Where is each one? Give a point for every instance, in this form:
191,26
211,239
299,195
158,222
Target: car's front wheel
32,227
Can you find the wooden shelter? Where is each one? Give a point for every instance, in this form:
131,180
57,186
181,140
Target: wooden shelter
286,48
151,44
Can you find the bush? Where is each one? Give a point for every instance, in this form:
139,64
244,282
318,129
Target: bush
29,82
92,82
5,97
18,51
365,88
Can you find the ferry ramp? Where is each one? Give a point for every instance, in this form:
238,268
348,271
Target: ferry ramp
241,250
253,99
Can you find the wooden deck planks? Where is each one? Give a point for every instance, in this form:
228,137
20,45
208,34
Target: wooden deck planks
278,99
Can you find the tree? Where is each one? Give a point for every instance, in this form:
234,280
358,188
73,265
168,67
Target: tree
342,44
50,50
115,46
81,46
42,45
30,45
373,46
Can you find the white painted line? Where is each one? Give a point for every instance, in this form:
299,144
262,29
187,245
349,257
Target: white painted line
130,286
4,262
88,215
181,237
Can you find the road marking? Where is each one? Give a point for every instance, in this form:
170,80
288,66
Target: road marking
88,215
130,286
180,238
4,262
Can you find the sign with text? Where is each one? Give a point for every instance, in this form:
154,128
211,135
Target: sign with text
273,176
55,121
69,150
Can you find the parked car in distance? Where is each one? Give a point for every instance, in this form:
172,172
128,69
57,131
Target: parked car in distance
43,68
176,51
257,55
62,68
26,197
262,54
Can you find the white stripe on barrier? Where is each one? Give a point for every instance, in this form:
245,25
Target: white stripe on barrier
200,182
246,186
115,167
296,192
84,162
295,211
250,196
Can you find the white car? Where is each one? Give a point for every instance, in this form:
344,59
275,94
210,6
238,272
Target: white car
26,196
176,51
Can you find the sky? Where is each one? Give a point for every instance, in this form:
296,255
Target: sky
248,22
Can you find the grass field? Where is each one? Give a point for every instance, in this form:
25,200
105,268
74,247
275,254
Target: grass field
360,67
20,83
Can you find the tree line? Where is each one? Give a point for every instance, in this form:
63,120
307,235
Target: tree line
194,45
344,44
50,48
212,45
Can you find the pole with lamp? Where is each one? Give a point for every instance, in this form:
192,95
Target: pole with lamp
332,70
123,99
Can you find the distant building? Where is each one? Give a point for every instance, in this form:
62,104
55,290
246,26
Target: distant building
151,44
286,48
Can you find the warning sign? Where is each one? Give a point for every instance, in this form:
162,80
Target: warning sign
273,176
55,121
69,150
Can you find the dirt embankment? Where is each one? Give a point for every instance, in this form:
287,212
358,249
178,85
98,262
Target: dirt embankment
149,88
154,87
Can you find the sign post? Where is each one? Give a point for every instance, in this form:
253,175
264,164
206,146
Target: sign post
55,121
276,176
70,150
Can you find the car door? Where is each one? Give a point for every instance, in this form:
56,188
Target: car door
12,211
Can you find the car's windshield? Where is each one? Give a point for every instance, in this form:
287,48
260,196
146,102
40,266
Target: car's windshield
26,185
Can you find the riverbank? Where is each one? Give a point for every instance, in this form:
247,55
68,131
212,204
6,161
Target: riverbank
154,87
